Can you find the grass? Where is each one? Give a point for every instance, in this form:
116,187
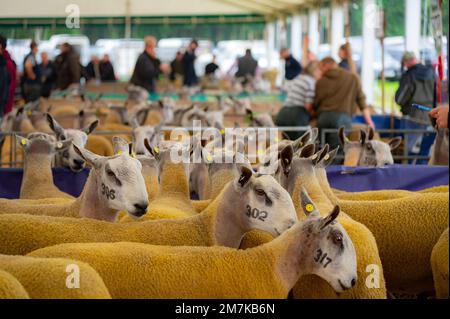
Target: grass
390,88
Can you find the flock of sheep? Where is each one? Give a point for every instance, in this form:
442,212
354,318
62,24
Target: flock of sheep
134,231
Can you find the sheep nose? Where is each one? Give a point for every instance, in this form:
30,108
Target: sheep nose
353,282
141,209
78,163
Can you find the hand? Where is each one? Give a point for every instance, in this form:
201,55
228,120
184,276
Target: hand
441,115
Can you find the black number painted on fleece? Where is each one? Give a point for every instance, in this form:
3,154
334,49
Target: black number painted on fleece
256,213
322,258
109,193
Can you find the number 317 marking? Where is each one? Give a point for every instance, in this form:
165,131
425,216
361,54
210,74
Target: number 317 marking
322,258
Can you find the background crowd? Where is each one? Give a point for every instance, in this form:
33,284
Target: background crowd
328,91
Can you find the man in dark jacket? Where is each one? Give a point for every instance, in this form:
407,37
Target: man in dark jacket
12,70
176,67
31,75
292,67
146,70
92,69
4,78
247,65
107,70
68,68
190,77
417,85
48,72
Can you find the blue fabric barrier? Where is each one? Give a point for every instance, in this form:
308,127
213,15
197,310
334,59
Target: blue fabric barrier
353,179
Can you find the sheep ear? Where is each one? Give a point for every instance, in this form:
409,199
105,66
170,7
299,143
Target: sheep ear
55,127
286,156
395,142
308,206
130,150
22,141
120,145
342,138
154,151
329,157
93,159
63,145
321,154
89,129
314,134
329,219
370,134
141,116
245,174
307,151
301,141
362,137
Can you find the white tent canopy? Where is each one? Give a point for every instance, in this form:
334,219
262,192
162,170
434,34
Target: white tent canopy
114,8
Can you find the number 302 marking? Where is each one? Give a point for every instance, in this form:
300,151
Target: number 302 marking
322,258
256,213
109,193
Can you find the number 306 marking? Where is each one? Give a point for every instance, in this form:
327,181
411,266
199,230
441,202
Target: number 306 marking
256,213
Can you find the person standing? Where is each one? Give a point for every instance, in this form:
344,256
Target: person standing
176,67
188,61
211,68
292,67
31,75
338,95
298,107
12,71
417,85
92,70
68,68
107,70
247,66
146,70
48,72
4,78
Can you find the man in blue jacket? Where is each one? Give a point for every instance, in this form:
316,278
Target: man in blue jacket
292,67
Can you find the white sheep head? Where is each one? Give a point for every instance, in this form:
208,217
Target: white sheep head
119,181
42,143
268,207
367,151
326,248
140,133
70,158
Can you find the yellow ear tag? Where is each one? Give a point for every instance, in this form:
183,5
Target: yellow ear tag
156,149
133,154
23,141
59,145
309,208
119,152
314,156
209,158
326,157
346,139
260,152
30,112
222,132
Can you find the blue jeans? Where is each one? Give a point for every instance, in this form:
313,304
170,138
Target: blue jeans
333,120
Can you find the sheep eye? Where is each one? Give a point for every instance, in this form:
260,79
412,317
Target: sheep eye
260,192
338,239
369,146
110,173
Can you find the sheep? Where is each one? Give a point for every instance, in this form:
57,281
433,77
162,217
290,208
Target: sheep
114,183
37,180
260,120
11,288
224,222
368,152
315,246
439,265
406,230
173,200
49,278
150,167
296,171
69,158
100,145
